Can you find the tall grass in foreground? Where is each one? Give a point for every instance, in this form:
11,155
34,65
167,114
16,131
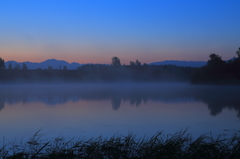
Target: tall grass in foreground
178,145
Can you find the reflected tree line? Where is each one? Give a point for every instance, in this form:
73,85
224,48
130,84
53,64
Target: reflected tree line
216,98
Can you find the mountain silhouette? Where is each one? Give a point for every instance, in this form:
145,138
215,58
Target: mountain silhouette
180,63
55,64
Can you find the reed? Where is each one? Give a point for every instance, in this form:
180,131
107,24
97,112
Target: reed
160,145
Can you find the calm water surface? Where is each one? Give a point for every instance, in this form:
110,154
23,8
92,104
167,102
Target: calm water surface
91,110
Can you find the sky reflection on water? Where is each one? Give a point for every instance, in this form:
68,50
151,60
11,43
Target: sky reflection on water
105,109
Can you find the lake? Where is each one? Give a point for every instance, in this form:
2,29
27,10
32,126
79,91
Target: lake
90,110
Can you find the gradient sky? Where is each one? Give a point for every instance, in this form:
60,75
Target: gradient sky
93,31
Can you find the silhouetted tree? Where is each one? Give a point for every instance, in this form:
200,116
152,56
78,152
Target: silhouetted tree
138,63
49,67
132,63
24,66
215,60
236,61
64,67
235,65
2,64
17,67
116,61
216,66
10,67
218,71
238,52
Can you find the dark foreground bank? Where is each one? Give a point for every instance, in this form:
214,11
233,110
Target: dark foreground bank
178,145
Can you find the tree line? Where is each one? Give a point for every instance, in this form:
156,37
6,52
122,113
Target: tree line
115,72
24,66
216,71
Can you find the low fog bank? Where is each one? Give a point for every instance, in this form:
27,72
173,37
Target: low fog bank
215,97
216,71
99,73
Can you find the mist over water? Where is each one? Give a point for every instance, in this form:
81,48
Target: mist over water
90,110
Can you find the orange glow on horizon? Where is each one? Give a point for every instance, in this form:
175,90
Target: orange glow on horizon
84,59
93,56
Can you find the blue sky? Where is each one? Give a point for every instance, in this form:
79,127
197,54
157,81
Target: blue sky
91,31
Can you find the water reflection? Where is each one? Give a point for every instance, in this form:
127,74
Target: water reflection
2,101
216,98
219,98
116,102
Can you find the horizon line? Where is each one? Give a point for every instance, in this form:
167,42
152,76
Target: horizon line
98,63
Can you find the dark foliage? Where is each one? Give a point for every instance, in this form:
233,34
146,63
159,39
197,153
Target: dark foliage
98,73
176,146
218,71
2,64
116,61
